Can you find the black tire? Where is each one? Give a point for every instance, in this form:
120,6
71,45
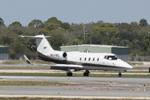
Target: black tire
69,74
86,73
119,74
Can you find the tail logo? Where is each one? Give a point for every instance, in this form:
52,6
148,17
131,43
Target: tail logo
44,47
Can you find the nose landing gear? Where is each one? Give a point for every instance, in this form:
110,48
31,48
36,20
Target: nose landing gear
119,74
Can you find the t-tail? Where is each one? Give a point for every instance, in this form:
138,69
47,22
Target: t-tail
42,44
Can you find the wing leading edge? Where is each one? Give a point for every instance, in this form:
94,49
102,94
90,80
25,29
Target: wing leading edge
67,67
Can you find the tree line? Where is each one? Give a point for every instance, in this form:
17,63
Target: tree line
134,35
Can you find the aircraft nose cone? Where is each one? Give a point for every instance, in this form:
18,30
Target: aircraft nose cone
129,66
125,64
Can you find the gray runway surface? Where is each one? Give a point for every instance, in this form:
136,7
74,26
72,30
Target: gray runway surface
80,86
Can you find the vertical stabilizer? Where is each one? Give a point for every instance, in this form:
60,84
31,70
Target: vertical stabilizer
43,45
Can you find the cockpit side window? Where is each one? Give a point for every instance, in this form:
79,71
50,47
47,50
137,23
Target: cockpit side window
111,57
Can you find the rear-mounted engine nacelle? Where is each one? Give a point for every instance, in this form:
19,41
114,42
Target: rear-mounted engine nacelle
64,55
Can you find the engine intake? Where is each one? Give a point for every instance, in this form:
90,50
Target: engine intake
64,54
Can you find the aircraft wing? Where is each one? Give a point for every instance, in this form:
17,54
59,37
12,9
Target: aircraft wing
67,67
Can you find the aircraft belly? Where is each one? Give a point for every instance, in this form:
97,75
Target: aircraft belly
103,67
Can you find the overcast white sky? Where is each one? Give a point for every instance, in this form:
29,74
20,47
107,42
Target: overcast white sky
76,11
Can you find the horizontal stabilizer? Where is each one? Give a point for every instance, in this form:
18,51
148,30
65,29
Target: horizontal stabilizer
36,36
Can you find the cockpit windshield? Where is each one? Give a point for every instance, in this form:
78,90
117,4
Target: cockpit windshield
111,57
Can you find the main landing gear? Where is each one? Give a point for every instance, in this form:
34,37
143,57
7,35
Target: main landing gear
86,73
69,73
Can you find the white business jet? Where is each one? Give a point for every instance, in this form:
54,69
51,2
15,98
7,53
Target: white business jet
75,60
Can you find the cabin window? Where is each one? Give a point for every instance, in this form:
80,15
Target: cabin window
80,58
89,59
111,57
97,59
93,59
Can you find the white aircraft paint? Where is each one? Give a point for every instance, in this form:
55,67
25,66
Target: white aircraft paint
75,60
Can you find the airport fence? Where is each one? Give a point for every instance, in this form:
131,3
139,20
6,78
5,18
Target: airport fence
138,58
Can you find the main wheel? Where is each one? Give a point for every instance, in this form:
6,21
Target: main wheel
86,73
69,74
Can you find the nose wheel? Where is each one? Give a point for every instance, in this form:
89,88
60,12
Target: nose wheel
86,73
119,74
